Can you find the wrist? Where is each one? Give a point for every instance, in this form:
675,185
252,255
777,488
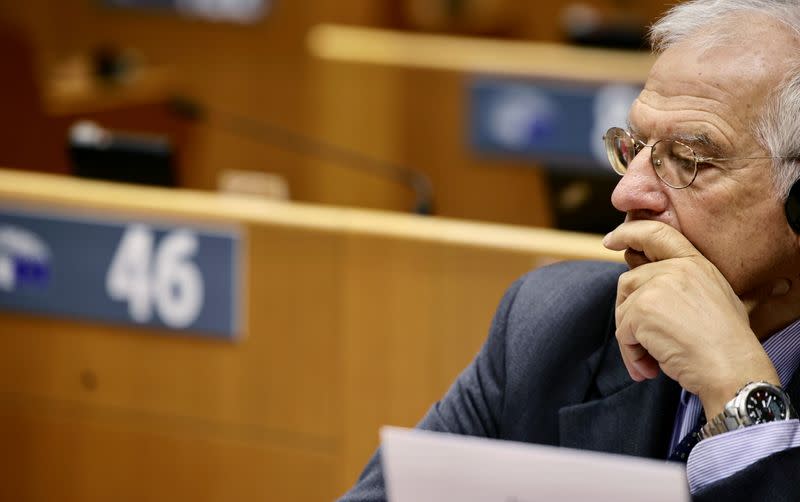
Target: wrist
749,363
756,403
716,397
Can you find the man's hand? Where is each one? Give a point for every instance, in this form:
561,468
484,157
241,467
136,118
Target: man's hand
677,312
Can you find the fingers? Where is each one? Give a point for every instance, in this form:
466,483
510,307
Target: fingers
675,311
639,363
658,241
637,291
646,365
631,281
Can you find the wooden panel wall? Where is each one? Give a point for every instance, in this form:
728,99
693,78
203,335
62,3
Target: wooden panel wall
355,319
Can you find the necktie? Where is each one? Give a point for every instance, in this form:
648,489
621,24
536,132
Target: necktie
689,441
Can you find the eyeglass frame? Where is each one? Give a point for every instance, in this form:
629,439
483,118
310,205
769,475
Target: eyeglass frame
642,145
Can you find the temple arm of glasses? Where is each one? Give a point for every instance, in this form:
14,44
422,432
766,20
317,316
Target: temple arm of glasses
717,159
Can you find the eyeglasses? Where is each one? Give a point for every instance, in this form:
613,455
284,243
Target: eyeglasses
674,162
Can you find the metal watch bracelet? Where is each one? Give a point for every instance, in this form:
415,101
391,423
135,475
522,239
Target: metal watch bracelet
735,416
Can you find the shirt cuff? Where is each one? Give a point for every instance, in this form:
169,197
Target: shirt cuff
718,457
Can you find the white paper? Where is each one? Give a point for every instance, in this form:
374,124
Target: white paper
424,466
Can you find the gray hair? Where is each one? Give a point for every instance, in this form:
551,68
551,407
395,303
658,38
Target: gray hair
778,127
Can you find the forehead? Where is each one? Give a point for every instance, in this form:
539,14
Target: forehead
716,91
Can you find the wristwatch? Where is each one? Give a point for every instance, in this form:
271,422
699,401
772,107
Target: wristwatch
755,403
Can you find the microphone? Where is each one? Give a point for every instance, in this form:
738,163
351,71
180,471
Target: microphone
266,133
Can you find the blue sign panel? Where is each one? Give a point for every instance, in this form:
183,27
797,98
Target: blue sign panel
150,274
558,123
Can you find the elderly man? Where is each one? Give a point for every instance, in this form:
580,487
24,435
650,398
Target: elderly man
690,354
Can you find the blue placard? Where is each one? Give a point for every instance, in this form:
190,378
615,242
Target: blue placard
145,273
560,124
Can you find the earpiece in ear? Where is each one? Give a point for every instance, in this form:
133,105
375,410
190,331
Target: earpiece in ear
792,207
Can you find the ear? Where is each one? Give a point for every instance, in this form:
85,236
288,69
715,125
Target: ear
792,207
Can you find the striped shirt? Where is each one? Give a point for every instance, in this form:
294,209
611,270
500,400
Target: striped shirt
721,456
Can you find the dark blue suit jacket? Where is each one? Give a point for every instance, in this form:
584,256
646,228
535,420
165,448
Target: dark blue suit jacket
551,373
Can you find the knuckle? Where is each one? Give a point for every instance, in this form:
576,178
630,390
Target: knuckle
619,314
685,266
625,283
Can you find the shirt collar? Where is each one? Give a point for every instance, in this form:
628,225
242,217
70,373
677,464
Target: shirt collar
783,348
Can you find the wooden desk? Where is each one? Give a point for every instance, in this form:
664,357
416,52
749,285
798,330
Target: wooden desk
373,46
354,319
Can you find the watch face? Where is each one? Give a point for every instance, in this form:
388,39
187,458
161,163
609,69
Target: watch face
765,405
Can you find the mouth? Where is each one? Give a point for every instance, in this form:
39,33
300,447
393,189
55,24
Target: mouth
635,258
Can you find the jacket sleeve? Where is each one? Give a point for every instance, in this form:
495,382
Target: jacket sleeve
772,478
473,405
721,456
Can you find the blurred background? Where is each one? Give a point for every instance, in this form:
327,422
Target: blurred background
392,166
254,87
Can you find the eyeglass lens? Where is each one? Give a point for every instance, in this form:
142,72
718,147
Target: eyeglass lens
673,161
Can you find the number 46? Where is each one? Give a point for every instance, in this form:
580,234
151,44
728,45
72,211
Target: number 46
163,276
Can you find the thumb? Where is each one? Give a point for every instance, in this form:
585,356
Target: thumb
753,299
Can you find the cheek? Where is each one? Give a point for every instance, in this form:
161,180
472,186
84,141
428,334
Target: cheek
696,218
722,209
747,247
717,227
738,226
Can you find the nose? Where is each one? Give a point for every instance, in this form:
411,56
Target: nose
640,189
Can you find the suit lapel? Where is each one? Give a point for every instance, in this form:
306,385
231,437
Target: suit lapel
624,416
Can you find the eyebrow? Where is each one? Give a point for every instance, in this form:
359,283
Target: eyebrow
697,139
703,140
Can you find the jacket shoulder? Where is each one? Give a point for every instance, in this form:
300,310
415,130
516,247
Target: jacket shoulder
565,290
